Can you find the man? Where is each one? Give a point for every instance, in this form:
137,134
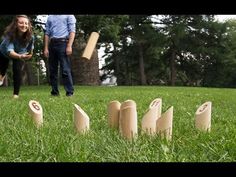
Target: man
58,39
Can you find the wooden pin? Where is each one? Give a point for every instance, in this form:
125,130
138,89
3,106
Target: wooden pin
122,106
113,114
164,124
158,104
151,116
36,112
128,122
203,117
81,120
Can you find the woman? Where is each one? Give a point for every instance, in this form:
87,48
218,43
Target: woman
18,45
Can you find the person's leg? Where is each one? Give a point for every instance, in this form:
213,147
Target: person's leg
65,65
16,67
53,70
4,62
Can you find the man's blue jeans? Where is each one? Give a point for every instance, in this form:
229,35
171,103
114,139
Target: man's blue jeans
57,55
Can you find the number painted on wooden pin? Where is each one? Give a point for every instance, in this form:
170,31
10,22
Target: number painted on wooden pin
155,103
203,108
34,104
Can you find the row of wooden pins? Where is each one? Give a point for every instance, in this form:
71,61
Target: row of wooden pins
123,116
81,119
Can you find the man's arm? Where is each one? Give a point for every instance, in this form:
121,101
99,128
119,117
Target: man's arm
70,43
71,39
46,44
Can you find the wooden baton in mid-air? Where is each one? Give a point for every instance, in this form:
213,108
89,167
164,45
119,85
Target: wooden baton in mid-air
92,41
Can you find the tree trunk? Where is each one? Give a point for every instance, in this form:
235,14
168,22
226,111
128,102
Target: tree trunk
172,68
141,65
117,67
84,72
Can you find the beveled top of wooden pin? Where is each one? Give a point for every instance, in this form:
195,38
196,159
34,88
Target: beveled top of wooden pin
128,103
155,102
35,106
78,108
203,108
114,101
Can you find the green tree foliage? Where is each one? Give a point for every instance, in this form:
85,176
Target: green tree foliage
4,21
138,47
191,50
194,48
226,74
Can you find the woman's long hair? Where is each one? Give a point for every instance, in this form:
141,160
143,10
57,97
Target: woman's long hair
11,31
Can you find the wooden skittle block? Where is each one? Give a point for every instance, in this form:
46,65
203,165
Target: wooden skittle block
113,114
122,106
91,44
81,120
128,122
203,117
36,112
157,103
151,116
164,124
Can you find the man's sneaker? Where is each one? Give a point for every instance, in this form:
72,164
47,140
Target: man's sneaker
69,94
55,94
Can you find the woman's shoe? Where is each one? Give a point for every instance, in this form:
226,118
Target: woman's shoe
15,96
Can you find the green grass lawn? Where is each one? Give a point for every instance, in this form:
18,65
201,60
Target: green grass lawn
57,140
